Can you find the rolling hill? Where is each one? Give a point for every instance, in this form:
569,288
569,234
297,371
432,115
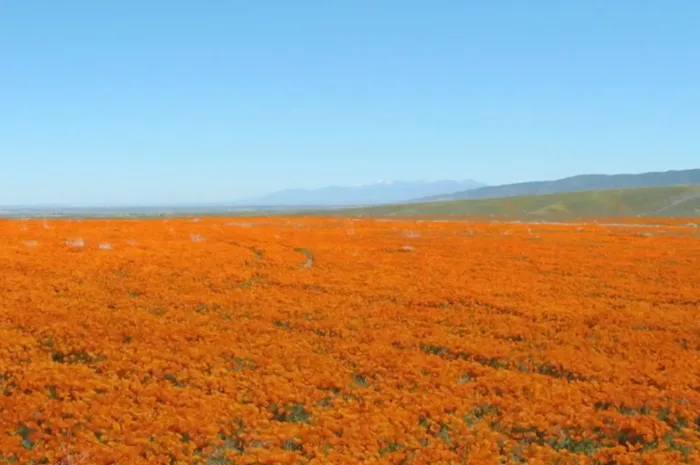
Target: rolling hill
580,183
678,201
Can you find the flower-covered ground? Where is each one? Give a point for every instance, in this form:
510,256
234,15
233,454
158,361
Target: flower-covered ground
340,341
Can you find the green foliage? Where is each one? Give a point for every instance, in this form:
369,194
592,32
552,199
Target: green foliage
293,413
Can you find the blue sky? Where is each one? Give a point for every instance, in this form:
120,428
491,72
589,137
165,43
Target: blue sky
143,102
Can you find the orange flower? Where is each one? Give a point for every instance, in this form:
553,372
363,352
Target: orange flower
322,340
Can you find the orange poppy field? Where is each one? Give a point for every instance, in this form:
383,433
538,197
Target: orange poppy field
348,341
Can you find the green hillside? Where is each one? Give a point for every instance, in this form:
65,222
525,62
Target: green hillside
580,183
680,201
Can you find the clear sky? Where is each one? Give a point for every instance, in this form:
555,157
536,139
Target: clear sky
145,102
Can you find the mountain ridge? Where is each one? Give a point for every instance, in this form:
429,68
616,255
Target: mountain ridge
578,183
376,193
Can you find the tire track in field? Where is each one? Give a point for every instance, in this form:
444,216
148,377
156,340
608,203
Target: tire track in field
309,257
259,254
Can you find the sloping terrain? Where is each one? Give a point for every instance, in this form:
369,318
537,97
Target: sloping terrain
679,201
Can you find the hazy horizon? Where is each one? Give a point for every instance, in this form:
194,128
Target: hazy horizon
255,202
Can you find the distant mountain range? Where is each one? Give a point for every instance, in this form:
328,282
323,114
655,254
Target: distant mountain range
397,193
580,183
380,192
